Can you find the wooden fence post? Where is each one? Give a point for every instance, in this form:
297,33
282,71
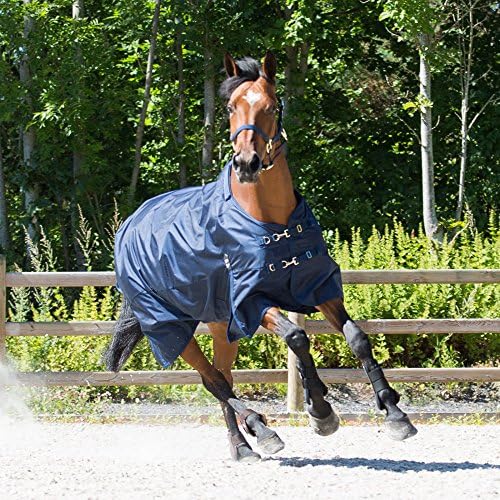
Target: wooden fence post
3,310
295,392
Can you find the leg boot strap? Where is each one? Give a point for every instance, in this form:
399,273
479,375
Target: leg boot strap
311,381
379,383
242,418
237,440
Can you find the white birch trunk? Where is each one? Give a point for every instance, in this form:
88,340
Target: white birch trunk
464,142
464,111
431,225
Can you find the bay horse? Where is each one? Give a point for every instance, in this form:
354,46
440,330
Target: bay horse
233,253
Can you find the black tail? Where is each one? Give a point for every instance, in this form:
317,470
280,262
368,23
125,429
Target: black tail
125,337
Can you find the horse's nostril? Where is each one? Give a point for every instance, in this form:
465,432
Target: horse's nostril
237,161
254,163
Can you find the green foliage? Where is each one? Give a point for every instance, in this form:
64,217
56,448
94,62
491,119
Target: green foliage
394,248
351,120
350,117
412,17
397,249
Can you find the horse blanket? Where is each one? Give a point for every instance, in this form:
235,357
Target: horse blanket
195,255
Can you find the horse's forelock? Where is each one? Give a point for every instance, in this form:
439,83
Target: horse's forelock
249,70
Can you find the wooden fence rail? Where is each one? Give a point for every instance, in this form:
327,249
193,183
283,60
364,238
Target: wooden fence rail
290,375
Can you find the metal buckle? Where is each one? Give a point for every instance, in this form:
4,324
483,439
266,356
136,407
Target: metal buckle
294,261
269,146
299,228
309,254
272,268
278,236
266,239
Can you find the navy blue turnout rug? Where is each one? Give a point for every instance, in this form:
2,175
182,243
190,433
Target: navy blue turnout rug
195,255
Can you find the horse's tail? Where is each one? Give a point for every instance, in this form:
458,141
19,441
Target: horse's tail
126,335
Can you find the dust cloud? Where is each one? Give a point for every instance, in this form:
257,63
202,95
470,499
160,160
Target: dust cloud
13,407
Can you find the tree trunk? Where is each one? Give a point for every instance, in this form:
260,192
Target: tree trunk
28,137
77,13
431,225
4,224
290,68
474,26
464,108
464,132
207,154
181,117
295,74
145,103
78,158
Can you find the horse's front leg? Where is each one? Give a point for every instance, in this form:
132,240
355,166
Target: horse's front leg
323,419
397,422
224,356
215,382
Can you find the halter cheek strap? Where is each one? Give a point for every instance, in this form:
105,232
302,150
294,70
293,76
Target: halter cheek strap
280,134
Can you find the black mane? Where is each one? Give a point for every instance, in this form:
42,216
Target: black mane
250,70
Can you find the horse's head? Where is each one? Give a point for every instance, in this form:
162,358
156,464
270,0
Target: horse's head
250,92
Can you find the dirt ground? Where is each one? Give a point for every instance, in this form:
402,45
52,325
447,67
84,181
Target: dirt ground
191,461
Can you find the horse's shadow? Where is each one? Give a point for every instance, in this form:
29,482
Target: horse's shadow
383,464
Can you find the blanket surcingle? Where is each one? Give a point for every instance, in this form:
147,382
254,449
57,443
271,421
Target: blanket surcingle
195,255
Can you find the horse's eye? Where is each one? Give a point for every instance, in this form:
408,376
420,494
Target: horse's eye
230,108
271,110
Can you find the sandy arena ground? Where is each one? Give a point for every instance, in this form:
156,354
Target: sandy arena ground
132,461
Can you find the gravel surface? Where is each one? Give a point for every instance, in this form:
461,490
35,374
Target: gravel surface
354,400
122,461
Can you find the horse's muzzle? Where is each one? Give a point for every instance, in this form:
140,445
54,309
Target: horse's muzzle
247,168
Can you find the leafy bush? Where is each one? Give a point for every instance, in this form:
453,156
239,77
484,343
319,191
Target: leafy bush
395,248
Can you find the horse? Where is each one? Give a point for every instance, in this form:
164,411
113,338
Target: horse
234,253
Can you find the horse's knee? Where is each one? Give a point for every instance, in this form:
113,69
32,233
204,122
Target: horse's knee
217,384
227,374
357,340
297,340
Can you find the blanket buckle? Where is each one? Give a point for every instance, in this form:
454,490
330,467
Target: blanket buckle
294,262
284,234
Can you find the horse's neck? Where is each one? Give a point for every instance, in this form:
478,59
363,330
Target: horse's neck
272,198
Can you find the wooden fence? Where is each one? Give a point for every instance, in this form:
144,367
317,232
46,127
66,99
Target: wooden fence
290,375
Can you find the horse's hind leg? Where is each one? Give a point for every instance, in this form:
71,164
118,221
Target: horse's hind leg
224,356
397,422
215,382
323,419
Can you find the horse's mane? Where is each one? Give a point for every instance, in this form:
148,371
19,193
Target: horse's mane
250,70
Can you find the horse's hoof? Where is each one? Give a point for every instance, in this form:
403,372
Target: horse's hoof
400,429
325,426
269,442
241,451
244,455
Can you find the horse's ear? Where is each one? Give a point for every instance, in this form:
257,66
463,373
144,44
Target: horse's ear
230,65
269,66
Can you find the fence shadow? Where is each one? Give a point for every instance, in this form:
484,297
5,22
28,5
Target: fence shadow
383,464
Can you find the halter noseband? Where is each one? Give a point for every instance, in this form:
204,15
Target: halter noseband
280,133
